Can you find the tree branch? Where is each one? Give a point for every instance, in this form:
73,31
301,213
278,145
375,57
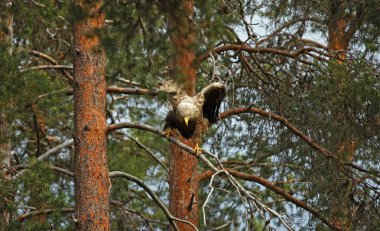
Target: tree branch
46,155
155,198
55,168
43,212
69,78
276,189
149,152
135,91
45,67
285,122
258,50
250,196
286,25
296,131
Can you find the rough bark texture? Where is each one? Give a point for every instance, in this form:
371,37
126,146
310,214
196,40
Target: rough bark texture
92,185
183,180
337,39
6,35
342,27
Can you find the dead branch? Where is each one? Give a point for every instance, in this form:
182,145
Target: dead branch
274,188
67,172
256,50
46,155
134,91
237,185
141,145
67,75
155,198
43,212
47,67
286,25
242,191
130,82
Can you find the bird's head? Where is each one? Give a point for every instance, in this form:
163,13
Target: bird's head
187,111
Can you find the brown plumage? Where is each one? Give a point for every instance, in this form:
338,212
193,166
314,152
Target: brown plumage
188,113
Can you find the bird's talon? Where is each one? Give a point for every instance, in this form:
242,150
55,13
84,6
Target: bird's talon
168,133
198,150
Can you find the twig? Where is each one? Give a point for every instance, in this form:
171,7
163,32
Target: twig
208,196
69,78
286,25
129,82
149,152
45,211
246,48
170,217
56,148
232,179
55,168
296,131
237,185
276,189
47,154
44,67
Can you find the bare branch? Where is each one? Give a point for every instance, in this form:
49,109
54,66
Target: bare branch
141,145
47,154
274,188
130,82
45,211
170,217
135,91
56,148
69,78
286,25
257,50
45,67
238,186
55,168
66,91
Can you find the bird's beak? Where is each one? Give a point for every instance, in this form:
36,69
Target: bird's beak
187,121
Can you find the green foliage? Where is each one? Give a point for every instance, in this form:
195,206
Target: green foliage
329,102
37,188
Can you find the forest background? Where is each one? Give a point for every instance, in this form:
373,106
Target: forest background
297,144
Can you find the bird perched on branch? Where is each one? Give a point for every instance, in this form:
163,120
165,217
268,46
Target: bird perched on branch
191,115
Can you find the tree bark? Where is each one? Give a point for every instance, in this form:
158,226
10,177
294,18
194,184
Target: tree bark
6,35
92,185
342,27
183,180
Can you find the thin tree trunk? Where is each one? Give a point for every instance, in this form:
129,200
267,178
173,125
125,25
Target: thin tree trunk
183,180
6,35
92,185
341,30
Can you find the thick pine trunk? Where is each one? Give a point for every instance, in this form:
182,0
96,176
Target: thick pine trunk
92,185
338,41
183,180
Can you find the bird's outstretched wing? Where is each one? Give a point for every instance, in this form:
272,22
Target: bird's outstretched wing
213,95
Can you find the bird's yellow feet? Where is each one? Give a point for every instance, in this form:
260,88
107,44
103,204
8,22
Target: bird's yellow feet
168,132
198,150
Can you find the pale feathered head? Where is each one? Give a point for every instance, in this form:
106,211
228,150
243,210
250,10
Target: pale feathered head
188,111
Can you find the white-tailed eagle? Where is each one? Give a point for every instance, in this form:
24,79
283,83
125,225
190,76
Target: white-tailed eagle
189,113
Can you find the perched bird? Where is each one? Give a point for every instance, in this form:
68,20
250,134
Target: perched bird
191,115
